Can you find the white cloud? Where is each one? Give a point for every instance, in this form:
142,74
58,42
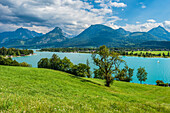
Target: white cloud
116,4
72,16
137,22
13,27
151,20
141,27
143,6
167,24
98,1
52,13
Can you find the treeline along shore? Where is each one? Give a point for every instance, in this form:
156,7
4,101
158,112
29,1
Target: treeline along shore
6,55
13,52
139,52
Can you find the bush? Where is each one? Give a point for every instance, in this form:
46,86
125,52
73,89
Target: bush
24,64
161,83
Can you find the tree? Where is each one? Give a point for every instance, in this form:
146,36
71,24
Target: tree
24,64
43,63
141,74
88,69
15,63
125,74
55,62
81,70
130,74
66,64
98,74
108,63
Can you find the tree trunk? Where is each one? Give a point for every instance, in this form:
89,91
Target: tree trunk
107,83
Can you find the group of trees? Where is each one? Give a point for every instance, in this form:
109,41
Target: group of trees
82,70
75,49
108,63
121,51
10,62
143,54
14,52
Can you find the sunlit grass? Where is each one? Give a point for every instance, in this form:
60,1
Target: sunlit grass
153,52
42,90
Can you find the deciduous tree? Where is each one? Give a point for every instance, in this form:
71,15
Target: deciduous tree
108,63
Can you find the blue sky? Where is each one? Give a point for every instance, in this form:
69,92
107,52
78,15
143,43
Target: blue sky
73,16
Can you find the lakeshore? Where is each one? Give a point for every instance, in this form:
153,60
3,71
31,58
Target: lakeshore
11,56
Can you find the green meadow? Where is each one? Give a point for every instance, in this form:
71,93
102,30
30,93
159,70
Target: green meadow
24,89
153,52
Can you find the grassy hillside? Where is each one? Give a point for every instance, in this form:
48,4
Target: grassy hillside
42,90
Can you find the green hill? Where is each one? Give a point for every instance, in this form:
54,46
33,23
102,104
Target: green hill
43,90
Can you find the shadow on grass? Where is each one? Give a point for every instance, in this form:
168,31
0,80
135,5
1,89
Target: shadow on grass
84,80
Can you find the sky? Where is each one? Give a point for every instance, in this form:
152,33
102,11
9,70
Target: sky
73,16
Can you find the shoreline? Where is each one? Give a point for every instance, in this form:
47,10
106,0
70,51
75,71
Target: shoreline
19,56
91,53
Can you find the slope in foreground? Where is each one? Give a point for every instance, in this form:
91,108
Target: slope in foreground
42,90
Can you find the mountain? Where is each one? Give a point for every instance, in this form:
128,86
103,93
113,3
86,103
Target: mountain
123,32
97,35
19,34
155,44
47,40
139,37
94,36
160,32
52,37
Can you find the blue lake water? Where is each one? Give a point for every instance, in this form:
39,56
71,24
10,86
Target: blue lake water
156,71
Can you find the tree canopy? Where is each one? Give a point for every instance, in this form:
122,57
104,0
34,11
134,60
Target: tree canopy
108,63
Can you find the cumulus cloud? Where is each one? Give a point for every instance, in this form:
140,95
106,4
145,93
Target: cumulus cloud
98,1
71,15
167,24
116,4
145,26
151,20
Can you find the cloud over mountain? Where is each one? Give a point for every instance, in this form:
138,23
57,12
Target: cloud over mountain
73,16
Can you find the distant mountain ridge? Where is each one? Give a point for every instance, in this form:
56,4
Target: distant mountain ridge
97,35
123,32
94,36
56,35
160,32
19,34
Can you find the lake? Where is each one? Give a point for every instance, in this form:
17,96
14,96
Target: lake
155,70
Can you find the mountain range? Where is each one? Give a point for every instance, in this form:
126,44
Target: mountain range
94,36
